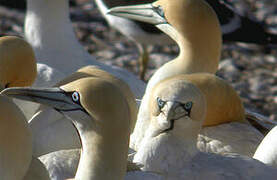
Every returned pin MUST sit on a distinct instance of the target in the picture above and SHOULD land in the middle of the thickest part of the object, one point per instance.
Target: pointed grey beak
(146, 13)
(53, 97)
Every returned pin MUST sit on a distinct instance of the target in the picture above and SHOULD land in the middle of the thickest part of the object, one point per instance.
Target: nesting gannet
(267, 150)
(55, 45)
(51, 130)
(195, 28)
(102, 116)
(178, 109)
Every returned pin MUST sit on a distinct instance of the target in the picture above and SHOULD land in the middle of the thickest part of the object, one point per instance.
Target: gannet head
(178, 18)
(17, 62)
(87, 97)
(177, 108)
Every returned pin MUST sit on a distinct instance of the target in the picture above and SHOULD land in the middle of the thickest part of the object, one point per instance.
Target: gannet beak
(146, 13)
(53, 97)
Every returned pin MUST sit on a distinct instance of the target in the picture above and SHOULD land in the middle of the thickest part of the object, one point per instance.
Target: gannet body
(178, 109)
(53, 132)
(198, 36)
(104, 136)
(56, 46)
(16, 160)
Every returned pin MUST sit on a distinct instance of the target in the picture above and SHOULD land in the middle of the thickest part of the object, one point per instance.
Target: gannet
(266, 151)
(57, 48)
(178, 109)
(102, 116)
(52, 132)
(195, 28)
(234, 25)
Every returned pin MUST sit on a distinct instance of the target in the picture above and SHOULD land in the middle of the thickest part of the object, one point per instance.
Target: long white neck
(49, 30)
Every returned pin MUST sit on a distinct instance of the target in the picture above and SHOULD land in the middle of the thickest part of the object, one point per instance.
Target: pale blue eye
(188, 105)
(161, 103)
(75, 96)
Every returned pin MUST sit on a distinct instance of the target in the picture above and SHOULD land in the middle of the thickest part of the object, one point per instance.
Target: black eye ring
(160, 102)
(75, 96)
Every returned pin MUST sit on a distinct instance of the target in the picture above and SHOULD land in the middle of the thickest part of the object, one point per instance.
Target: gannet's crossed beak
(53, 97)
(146, 13)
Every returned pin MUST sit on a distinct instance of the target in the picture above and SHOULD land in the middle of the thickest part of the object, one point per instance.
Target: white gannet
(57, 49)
(55, 44)
(103, 118)
(53, 132)
(267, 150)
(195, 28)
(178, 109)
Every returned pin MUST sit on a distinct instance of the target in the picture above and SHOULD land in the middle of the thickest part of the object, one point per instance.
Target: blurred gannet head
(17, 62)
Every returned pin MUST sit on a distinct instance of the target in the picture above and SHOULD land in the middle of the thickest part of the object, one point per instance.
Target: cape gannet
(102, 116)
(178, 109)
(195, 28)
(53, 132)
(234, 25)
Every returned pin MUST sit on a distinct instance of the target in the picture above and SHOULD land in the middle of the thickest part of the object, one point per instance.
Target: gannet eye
(160, 102)
(188, 106)
(159, 10)
(75, 96)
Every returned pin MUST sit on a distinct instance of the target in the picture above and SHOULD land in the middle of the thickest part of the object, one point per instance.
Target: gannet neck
(196, 30)
(16, 141)
(104, 134)
(55, 13)
(49, 30)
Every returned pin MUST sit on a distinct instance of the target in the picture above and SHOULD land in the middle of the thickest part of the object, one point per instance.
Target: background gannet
(197, 34)
(57, 48)
(169, 146)
(104, 135)
(234, 25)
(51, 130)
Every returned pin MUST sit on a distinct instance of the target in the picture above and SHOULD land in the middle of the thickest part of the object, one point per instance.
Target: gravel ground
(251, 72)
